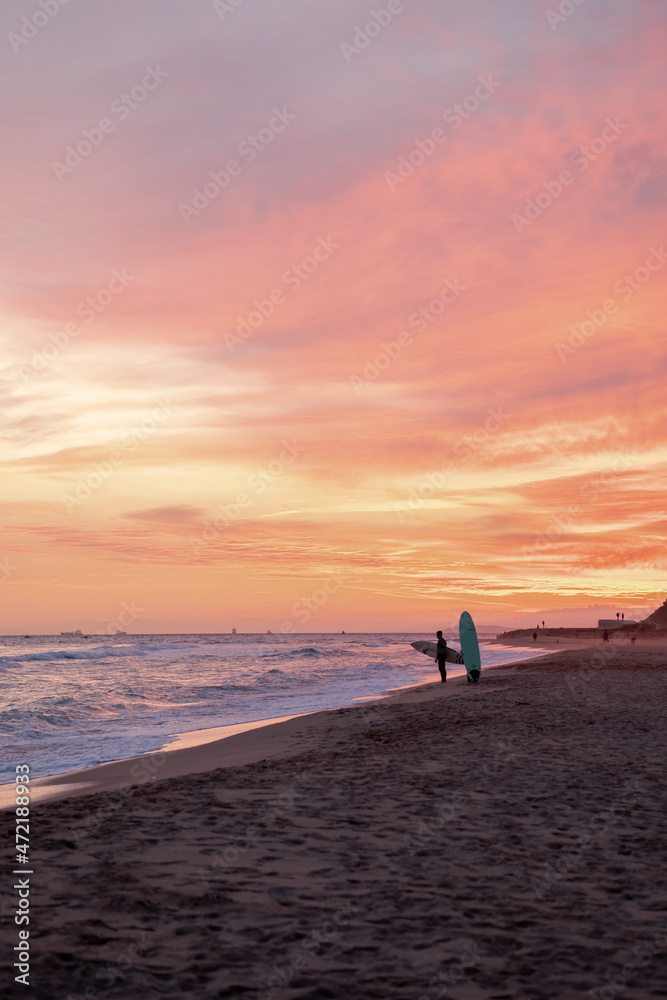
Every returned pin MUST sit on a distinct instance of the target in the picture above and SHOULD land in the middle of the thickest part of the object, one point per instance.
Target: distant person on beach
(605, 636)
(623, 617)
(633, 640)
(535, 636)
(542, 624)
(442, 657)
(617, 615)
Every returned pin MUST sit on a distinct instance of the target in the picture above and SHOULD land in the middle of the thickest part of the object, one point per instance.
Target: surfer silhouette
(442, 657)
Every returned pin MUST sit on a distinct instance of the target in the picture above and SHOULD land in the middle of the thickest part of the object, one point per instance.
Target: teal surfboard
(470, 648)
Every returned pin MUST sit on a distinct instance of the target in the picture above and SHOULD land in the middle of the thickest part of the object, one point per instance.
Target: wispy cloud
(323, 177)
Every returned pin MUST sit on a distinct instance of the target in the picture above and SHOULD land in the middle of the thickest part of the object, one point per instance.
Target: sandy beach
(495, 842)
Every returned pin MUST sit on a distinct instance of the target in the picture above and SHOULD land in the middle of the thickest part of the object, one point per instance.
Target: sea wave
(102, 653)
(51, 655)
(303, 652)
(198, 650)
(9, 663)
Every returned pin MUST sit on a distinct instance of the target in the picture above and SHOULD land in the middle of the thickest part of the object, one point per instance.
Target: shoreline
(265, 739)
(123, 772)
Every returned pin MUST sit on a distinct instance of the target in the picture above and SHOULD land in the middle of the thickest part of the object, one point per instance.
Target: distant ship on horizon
(78, 634)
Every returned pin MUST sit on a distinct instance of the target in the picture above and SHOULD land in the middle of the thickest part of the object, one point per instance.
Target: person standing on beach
(534, 636)
(442, 657)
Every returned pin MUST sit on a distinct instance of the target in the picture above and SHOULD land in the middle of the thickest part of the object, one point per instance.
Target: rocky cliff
(659, 616)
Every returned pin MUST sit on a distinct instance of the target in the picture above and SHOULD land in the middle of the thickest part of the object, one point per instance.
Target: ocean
(68, 703)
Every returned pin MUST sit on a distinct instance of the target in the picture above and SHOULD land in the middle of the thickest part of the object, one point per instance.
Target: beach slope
(502, 841)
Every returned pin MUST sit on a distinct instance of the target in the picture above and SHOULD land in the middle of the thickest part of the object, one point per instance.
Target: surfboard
(431, 649)
(470, 648)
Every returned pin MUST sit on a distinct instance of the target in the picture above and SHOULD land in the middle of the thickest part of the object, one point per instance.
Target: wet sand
(501, 840)
(553, 639)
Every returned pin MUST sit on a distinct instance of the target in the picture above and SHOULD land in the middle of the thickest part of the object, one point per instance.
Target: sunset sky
(406, 355)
